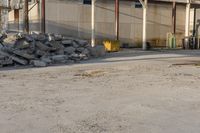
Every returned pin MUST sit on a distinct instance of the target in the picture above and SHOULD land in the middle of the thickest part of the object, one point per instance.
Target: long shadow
(125, 56)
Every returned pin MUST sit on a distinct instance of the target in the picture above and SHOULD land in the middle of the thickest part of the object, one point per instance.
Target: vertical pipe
(187, 20)
(26, 17)
(194, 23)
(0, 19)
(117, 19)
(93, 23)
(174, 17)
(144, 46)
(43, 17)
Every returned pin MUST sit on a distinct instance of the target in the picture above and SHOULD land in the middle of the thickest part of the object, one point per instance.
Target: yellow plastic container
(112, 45)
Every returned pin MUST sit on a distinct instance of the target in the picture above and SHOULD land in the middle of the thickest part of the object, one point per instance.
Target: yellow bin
(112, 45)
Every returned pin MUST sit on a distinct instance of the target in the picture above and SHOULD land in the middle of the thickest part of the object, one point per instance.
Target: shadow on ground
(126, 55)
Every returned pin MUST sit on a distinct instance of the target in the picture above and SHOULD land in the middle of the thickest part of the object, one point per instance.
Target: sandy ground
(127, 92)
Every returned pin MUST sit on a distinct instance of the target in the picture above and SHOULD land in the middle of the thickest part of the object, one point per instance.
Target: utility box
(171, 41)
(112, 45)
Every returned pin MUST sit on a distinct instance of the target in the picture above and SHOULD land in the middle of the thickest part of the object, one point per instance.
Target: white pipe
(144, 42)
(187, 20)
(93, 23)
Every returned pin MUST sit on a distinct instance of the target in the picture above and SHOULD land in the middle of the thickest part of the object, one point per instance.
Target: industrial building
(73, 18)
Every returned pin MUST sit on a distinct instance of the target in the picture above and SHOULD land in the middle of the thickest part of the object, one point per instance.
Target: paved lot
(128, 92)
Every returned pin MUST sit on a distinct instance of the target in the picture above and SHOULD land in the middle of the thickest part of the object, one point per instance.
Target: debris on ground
(41, 50)
(91, 73)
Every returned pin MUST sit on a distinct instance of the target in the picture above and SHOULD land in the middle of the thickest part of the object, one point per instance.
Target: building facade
(73, 18)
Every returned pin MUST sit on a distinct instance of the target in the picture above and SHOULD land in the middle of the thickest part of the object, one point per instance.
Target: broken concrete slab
(69, 50)
(55, 45)
(21, 44)
(59, 58)
(6, 61)
(16, 59)
(42, 46)
(46, 60)
(48, 48)
(21, 53)
(80, 49)
(38, 63)
(67, 43)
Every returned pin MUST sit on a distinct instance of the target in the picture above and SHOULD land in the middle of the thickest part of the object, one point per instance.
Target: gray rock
(75, 45)
(29, 38)
(55, 45)
(58, 37)
(69, 50)
(41, 37)
(86, 52)
(40, 53)
(83, 56)
(22, 53)
(67, 42)
(67, 38)
(59, 58)
(38, 63)
(81, 42)
(46, 60)
(14, 58)
(51, 37)
(6, 61)
(42, 46)
(60, 52)
(80, 49)
(22, 44)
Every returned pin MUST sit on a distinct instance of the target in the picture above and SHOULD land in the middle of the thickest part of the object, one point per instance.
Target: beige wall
(72, 18)
(34, 16)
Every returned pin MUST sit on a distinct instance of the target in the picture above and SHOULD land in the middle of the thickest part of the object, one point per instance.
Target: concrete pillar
(144, 40)
(93, 23)
(187, 20)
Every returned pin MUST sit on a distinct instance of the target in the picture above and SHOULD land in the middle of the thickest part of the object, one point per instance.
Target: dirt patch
(90, 73)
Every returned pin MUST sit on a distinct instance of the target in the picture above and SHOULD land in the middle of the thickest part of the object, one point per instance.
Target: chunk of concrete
(42, 46)
(80, 49)
(81, 43)
(58, 37)
(69, 50)
(22, 53)
(56, 45)
(67, 43)
(16, 59)
(86, 52)
(59, 58)
(22, 44)
(38, 63)
(46, 60)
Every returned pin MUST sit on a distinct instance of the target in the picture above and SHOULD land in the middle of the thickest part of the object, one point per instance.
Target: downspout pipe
(194, 23)
(174, 17)
(43, 16)
(26, 17)
(117, 19)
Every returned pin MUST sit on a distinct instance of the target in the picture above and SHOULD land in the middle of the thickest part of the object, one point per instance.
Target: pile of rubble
(41, 50)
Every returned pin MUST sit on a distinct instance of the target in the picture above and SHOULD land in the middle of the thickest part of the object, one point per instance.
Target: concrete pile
(41, 50)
